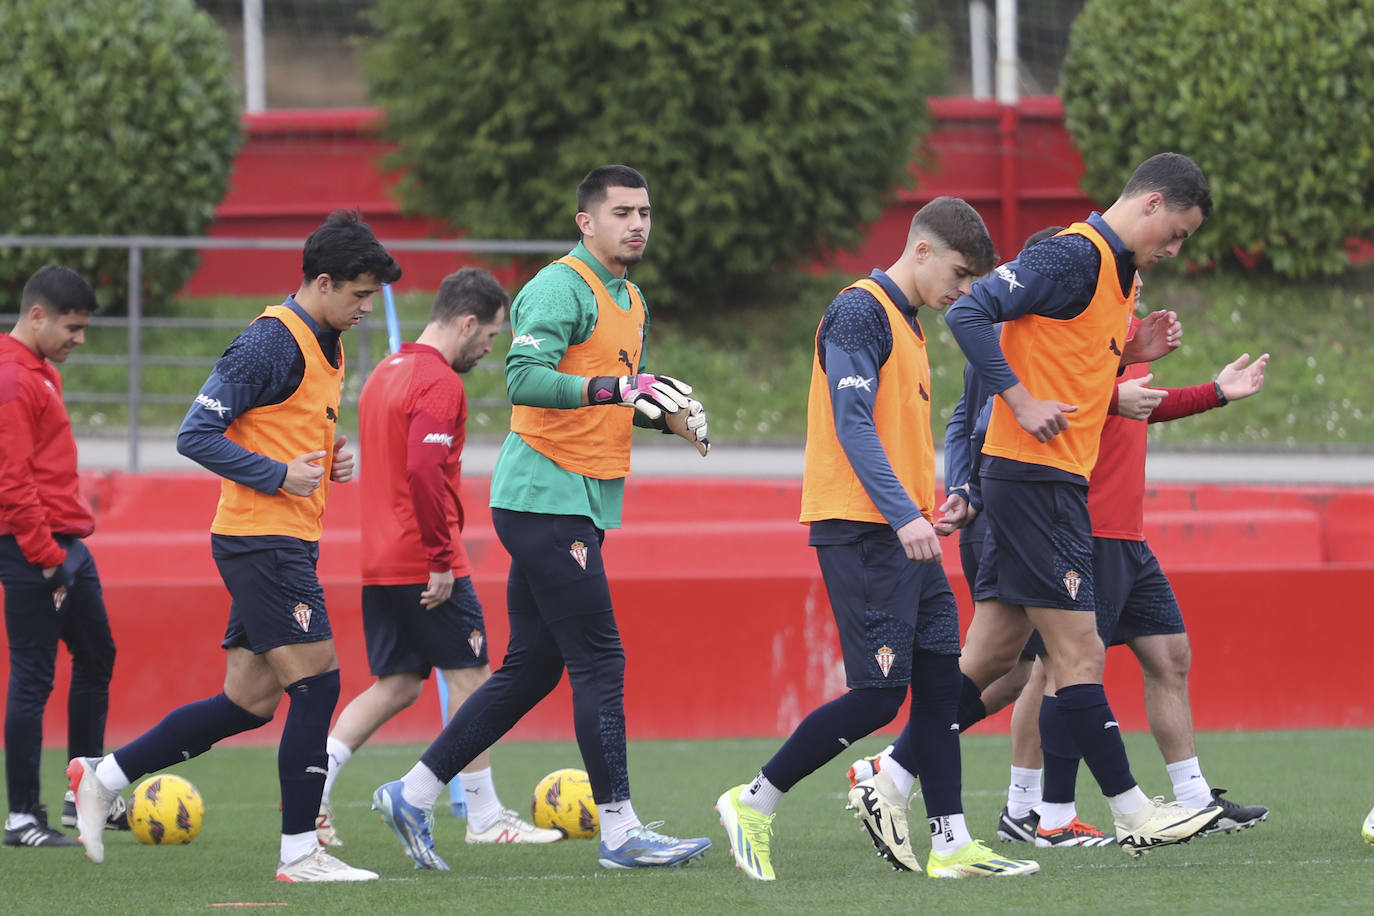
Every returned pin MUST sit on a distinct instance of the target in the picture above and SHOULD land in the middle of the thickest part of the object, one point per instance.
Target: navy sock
(971, 708)
(185, 732)
(934, 742)
(828, 730)
(1061, 754)
(1084, 710)
(302, 762)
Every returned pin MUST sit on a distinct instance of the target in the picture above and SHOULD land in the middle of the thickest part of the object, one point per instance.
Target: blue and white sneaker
(646, 848)
(413, 826)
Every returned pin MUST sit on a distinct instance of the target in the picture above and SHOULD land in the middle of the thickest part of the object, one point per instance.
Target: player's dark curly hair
(345, 248)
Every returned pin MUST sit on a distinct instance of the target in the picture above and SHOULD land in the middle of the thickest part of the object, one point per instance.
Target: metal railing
(136, 322)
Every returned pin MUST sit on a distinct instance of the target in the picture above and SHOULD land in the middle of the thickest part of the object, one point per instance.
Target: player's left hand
(438, 590)
(1159, 334)
(1239, 380)
(341, 470)
(690, 424)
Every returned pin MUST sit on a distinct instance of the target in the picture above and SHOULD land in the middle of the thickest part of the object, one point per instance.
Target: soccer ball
(166, 810)
(563, 801)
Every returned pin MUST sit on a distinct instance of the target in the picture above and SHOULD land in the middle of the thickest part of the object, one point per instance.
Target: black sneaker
(37, 835)
(1233, 816)
(118, 818)
(1017, 830)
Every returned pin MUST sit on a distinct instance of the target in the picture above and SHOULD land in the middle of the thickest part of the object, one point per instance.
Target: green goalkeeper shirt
(554, 311)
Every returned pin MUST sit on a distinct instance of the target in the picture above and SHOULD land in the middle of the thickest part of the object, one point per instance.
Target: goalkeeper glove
(690, 424)
(651, 395)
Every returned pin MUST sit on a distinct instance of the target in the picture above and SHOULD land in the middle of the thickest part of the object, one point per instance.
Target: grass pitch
(1307, 857)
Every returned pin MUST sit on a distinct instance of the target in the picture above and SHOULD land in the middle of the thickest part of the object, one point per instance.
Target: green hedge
(1274, 100)
(768, 131)
(120, 118)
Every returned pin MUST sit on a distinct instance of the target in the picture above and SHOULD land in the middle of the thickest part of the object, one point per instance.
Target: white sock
(901, 777)
(18, 819)
(479, 794)
(420, 787)
(948, 833)
(338, 755)
(1024, 793)
(1128, 802)
(617, 820)
(761, 795)
(295, 845)
(110, 775)
(1054, 815)
(1190, 786)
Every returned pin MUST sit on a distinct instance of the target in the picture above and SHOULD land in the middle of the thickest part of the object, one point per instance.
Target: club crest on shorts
(475, 640)
(579, 553)
(302, 614)
(885, 657)
(1071, 582)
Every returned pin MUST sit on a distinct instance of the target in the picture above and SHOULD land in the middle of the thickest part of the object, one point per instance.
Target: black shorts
(277, 598)
(1039, 548)
(1134, 597)
(886, 608)
(404, 637)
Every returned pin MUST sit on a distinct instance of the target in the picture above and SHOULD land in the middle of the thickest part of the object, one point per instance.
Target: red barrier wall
(1017, 166)
(715, 587)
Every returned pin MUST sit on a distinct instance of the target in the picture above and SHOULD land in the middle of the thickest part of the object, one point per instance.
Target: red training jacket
(1116, 492)
(40, 494)
(412, 418)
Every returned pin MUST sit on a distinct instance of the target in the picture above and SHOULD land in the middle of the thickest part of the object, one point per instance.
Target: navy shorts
(887, 608)
(1039, 547)
(971, 538)
(1134, 598)
(971, 548)
(277, 598)
(405, 637)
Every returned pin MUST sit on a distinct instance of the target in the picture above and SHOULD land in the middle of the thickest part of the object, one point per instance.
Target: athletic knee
(1164, 660)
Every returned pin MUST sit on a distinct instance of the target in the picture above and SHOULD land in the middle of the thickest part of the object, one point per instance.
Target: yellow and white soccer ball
(166, 810)
(563, 801)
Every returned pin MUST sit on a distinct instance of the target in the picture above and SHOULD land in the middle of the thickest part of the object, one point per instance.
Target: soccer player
(419, 607)
(867, 495)
(1136, 607)
(1066, 304)
(575, 365)
(265, 421)
(52, 588)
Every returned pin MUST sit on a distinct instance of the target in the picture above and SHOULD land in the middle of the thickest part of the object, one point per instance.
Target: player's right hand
(438, 590)
(1135, 401)
(919, 540)
(1043, 419)
(303, 475)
